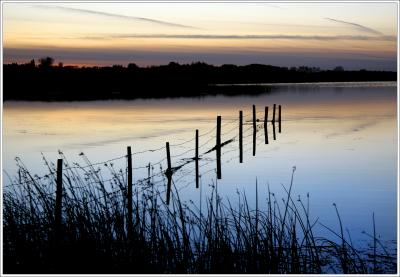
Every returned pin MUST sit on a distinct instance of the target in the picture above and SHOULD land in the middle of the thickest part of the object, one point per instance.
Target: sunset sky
(354, 35)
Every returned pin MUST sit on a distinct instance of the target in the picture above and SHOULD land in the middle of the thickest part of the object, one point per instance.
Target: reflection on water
(341, 138)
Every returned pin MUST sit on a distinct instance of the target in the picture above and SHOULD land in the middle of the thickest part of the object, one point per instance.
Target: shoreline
(212, 90)
(62, 83)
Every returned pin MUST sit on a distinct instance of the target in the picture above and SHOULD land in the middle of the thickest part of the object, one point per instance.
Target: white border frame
(206, 2)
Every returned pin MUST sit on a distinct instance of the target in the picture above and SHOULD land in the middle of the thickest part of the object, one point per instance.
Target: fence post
(273, 113)
(58, 208)
(129, 195)
(254, 130)
(197, 158)
(218, 147)
(273, 129)
(241, 136)
(280, 118)
(266, 125)
(168, 173)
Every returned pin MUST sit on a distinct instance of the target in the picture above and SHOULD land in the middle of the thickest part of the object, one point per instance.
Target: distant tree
(46, 62)
(173, 64)
(338, 68)
(32, 63)
(199, 63)
(132, 66)
(229, 66)
(304, 69)
(60, 64)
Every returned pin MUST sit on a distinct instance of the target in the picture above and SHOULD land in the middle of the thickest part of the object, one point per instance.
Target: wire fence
(79, 176)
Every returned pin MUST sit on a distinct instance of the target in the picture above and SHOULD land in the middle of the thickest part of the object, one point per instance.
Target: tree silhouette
(32, 63)
(46, 62)
(49, 82)
(338, 69)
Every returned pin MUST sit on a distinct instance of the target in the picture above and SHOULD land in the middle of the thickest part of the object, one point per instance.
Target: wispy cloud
(356, 26)
(273, 6)
(117, 16)
(242, 37)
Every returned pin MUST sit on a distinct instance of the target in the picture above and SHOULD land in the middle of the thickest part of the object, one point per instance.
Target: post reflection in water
(342, 139)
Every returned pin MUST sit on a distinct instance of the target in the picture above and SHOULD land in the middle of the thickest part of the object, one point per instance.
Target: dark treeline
(47, 81)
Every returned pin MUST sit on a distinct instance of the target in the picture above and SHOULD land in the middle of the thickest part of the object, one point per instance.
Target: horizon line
(57, 65)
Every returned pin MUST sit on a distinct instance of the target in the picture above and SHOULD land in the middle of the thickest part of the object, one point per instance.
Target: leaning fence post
(280, 118)
(254, 130)
(273, 113)
(266, 125)
(129, 202)
(273, 130)
(218, 147)
(168, 173)
(241, 136)
(57, 215)
(197, 158)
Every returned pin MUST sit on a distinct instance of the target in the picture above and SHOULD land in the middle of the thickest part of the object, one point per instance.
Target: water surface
(342, 138)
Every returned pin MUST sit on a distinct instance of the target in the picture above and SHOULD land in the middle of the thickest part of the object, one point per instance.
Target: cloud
(356, 26)
(117, 16)
(243, 37)
(271, 5)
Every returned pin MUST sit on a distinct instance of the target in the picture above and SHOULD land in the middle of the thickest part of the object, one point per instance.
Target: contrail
(244, 37)
(118, 16)
(357, 26)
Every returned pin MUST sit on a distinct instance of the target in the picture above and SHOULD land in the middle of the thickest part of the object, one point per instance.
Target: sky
(325, 35)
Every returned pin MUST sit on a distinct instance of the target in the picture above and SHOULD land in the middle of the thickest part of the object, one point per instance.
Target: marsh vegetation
(220, 237)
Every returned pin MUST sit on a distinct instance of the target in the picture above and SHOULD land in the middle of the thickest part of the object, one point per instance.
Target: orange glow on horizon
(356, 31)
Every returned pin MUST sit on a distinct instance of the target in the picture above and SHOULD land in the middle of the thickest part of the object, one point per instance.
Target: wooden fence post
(254, 130)
(168, 173)
(273, 129)
(266, 125)
(197, 158)
(129, 194)
(58, 207)
(280, 118)
(241, 136)
(273, 113)
(218, 147)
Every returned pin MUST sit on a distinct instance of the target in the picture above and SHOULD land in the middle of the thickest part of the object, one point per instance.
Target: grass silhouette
(219, 237)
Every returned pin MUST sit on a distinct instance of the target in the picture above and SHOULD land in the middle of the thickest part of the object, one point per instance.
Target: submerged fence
(126, 223)
(202, 152)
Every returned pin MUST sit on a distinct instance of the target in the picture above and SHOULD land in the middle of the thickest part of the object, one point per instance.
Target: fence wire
(82, 177)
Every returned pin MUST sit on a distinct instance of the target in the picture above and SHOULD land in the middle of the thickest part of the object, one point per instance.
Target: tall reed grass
(219, 237)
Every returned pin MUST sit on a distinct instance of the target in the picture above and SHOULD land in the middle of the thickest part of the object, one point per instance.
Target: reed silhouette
(178, 238)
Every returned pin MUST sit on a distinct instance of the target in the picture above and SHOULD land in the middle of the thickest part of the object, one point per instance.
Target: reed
(219, 237)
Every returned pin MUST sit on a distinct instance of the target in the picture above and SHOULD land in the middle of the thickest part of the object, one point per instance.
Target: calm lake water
(342, 138)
